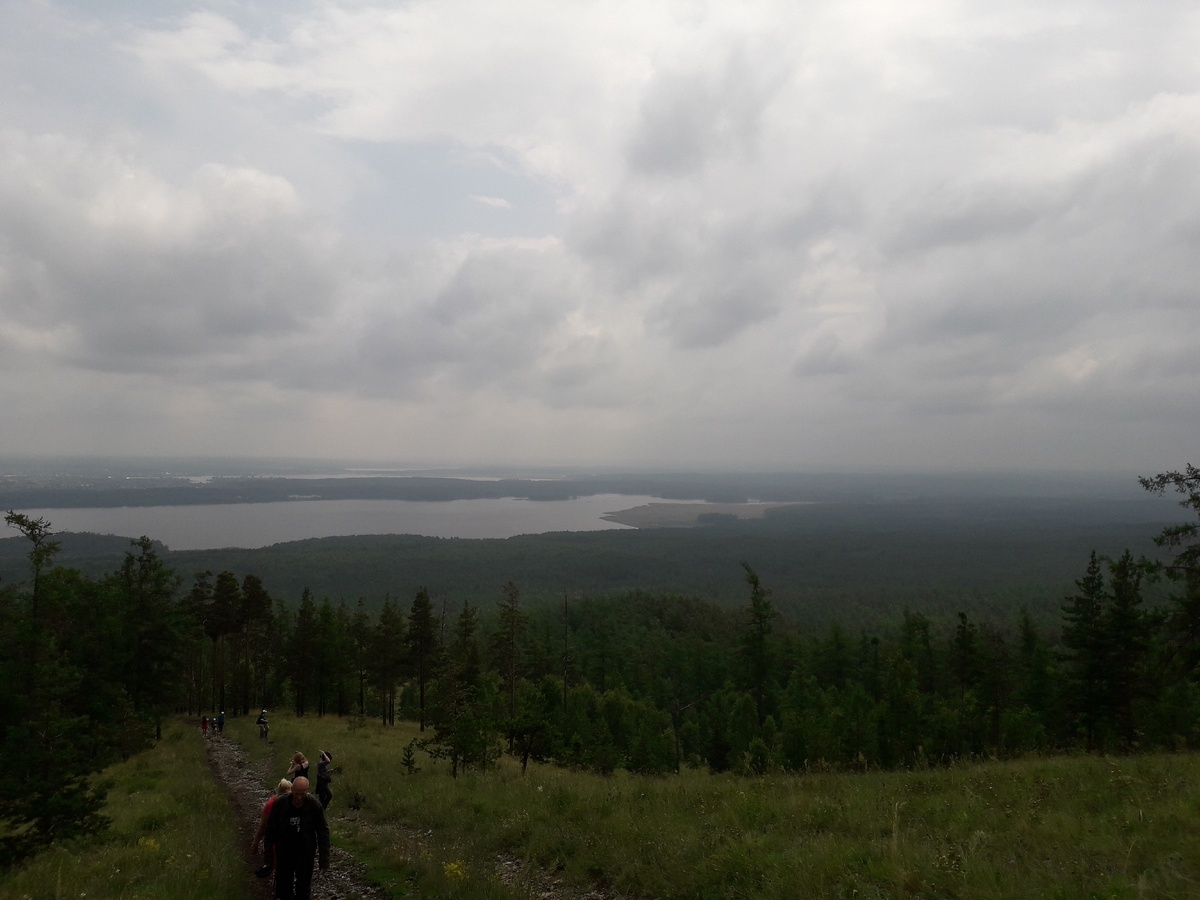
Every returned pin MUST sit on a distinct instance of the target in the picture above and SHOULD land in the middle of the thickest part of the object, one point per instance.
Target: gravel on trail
(245, 782)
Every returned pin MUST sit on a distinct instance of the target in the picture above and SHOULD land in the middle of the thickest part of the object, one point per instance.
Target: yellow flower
(455, 870)
(149, 844)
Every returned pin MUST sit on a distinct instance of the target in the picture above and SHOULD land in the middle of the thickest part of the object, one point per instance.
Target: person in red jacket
(282, 789)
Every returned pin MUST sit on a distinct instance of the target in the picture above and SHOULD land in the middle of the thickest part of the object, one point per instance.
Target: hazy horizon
(189, 464)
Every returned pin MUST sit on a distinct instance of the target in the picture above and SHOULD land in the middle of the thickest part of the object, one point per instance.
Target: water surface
(251, 525)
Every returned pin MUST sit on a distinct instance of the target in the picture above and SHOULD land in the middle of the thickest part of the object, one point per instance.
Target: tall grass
(1068, 827)
(1064, 827)
(172, 835)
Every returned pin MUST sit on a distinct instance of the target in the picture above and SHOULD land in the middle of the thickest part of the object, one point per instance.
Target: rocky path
(244, 780)
(345, 879)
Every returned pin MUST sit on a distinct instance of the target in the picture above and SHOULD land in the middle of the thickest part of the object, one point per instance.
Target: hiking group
(292, 829)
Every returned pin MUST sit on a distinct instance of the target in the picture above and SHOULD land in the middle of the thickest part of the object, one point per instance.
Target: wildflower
(149, 844)
(455, 870)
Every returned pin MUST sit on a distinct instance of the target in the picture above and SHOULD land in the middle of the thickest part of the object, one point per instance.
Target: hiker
(281, 790)
(204, 726)
(299, 766)
(298, 836)
(221, 723)
(263, 726)
(324, 777)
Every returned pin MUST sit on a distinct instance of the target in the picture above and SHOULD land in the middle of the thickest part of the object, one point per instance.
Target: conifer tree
(1126, 630)
(48, 791)
(302, 653)
(1180, 538)
(1086, 657)
(422, 648)
(327, 658)
(360, 653)
(463, 731)
(221, 620)
(258, 630)
(755, 646)
(386, 658)
(150, 639)
(506, 648)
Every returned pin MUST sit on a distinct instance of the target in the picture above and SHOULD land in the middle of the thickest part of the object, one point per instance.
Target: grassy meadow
(172, 835)
(1065, 827)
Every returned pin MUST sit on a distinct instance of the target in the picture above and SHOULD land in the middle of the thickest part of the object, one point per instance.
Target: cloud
(697, 109)
(677, 221)
(129, 272)
(497, 202)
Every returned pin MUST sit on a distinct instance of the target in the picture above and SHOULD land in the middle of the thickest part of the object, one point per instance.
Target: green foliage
(855, 562)
(423, 657)
(464, 713)
(408, 760)
(1082, 826)
(90, 667)
(171, 835)
(640, 682)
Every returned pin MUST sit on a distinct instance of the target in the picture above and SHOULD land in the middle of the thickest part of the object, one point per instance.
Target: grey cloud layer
(912, 214)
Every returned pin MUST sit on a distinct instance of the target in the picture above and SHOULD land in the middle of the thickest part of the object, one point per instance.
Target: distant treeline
(646, 680)
(166, 491)
(852, 563)
(1005, 491)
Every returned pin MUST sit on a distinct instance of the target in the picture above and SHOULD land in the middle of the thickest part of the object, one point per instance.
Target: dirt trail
(244, 780)
(346, 878)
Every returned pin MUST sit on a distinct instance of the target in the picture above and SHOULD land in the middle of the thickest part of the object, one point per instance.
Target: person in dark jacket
(324, 778)
(298, 836)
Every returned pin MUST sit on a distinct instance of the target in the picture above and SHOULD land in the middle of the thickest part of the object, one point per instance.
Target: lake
(252, 525)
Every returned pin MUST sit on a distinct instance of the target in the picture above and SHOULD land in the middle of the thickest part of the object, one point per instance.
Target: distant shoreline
(683, 515)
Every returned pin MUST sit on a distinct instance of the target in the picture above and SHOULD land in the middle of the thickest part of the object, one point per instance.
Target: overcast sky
(794, 235)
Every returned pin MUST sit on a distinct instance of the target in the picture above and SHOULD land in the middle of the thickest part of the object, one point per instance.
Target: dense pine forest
(650, 681)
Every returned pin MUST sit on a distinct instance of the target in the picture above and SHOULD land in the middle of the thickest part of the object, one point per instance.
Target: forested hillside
(649, 680)
(856, 563)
